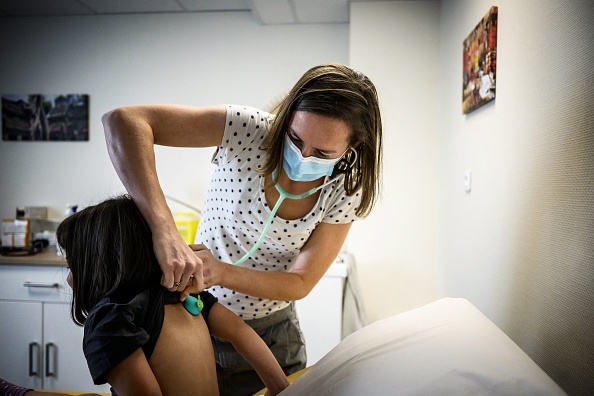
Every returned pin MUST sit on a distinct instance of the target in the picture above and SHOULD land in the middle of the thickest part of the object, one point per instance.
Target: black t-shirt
(119, 325)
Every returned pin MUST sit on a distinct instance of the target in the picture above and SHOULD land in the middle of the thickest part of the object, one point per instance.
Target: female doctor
(284, 193)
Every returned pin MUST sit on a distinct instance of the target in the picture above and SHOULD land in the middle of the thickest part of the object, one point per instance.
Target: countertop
(47, 256)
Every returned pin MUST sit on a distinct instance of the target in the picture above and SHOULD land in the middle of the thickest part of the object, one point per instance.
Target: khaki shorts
(281, 332)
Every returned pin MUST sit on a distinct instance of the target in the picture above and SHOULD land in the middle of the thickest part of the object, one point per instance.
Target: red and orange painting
(480, 64)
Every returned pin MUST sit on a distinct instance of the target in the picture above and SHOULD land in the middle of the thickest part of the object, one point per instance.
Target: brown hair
(339, 92)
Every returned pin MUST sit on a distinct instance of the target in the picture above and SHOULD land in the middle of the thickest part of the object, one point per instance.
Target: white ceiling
(266, 11)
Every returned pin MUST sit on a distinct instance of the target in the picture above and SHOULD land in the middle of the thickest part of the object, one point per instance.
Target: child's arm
(224, 324)
(133, 376)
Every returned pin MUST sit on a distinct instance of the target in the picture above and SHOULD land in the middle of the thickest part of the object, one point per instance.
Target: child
(138, 337)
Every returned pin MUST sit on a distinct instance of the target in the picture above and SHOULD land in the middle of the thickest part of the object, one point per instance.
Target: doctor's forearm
(130, 146)
(286, 286)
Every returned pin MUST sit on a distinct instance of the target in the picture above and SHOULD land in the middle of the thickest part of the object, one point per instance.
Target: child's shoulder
(118, 305)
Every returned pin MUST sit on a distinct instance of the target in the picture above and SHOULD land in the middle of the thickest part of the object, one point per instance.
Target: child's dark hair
(109, 250)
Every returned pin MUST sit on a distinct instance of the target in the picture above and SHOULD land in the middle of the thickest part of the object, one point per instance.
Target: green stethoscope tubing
(281, 198)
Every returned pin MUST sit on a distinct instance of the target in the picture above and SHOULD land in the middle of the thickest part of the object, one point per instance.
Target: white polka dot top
(235, 211)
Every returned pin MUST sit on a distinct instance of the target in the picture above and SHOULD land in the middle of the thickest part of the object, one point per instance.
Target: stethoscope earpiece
(346, 162)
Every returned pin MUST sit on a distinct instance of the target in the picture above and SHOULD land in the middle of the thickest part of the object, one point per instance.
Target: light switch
(467, 180)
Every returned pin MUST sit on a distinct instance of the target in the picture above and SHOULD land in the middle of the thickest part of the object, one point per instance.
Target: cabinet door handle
(33, 368)
(50, 359)
(42, 285)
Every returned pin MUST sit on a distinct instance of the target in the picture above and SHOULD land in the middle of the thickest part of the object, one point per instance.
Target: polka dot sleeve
(340, 207)
(245, 129)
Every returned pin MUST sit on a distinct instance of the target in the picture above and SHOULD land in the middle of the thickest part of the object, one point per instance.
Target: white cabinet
(20, 344)
(40, 345)
(320, 313)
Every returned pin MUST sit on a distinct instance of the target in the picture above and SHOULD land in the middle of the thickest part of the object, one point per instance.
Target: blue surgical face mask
(299, 168)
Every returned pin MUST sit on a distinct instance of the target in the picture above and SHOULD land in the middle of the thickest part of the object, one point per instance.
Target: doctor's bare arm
(131, 133)
(318, 253)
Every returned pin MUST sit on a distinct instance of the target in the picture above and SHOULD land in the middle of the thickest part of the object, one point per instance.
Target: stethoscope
(283, 195)
(193, 304)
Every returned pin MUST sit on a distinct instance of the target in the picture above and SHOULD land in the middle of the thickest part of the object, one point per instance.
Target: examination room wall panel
(397, 44)
(520, 244)
(191, 59)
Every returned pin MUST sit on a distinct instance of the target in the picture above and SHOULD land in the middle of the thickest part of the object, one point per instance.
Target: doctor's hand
(212, 268)
(178, 262)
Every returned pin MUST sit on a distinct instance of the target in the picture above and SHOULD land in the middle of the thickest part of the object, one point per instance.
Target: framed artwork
(480, 63)
(45, 117)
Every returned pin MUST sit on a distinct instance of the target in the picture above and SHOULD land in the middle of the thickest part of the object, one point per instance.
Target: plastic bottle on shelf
(70, 210)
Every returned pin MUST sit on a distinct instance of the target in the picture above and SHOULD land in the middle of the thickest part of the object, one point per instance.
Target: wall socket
(467, 180)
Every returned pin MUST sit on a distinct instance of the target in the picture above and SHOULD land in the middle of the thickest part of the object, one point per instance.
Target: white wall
(397, 44)
(529, 151)
(193, 59)
(520, 245)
